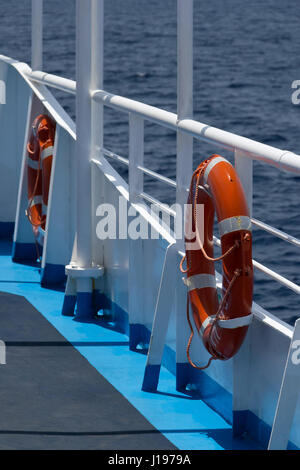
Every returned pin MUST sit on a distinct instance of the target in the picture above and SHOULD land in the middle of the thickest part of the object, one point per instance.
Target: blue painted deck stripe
(189, 424)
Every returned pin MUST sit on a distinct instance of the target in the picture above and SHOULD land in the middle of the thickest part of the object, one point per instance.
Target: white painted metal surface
(164, 305)
(23, 231)
(241, 363)
(136, 275)
(244, 168)
(184, 158)
(184, 162)
(136, 157)
(60, 223)
(97, 50)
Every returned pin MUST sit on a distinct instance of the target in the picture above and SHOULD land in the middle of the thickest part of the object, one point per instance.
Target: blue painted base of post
(239, 422)
(99, 299)
(182, 376)
(53, 274)
(151, 377)
(139, 336)
(70, 298)
(24, 252)
(82, 292)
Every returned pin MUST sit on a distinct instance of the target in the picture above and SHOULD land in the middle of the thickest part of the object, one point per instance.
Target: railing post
(37, 34)
(241, 362)
(136, 254)
(136, 157)
(97, 74)
(82, 269)
(83, 131)
(184, 99)
(184, 165)
(244, 168)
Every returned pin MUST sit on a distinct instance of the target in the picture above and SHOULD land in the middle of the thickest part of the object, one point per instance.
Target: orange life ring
(39, 164)
(223, 326)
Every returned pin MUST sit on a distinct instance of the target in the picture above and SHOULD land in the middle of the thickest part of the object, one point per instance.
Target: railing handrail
(281, 159)
(64, 84)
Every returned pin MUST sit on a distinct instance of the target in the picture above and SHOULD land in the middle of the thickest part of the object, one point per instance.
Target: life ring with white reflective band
(39, 164)
(223, 325)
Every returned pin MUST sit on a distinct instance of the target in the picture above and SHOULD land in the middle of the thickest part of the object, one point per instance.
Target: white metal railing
(91, 98)
(246, 150)
(268, 228)
(47, 79)
(282, 159)
(278, 233)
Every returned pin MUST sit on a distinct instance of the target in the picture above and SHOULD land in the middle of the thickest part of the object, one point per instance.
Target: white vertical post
(97, 112)
(161, 319)
(241, 385)
(37, 34)
(244, 168)
(88, 74)
(184, 99)
(136, 157)
(288, 396)
(184, 166)
(242, 361)
(83, 126)
(136, 252)
(97, 74)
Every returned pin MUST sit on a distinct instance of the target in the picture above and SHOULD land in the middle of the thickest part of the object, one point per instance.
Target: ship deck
(72, 385)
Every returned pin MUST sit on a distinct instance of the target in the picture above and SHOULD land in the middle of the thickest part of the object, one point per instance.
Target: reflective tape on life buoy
(222, 325)
(39, 164)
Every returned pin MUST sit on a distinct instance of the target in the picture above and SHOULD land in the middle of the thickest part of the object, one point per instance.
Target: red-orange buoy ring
(223, 327)
(39, 163)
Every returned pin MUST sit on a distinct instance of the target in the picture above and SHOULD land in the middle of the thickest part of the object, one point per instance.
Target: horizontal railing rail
(269, 272)
(284, 160)
(146, 171)
(276, 232)
(53, 81)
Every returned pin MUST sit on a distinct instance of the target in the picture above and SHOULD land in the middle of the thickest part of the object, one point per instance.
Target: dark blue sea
(246, 58)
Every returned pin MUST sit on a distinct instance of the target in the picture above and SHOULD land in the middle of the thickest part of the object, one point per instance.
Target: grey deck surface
(52, 398)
